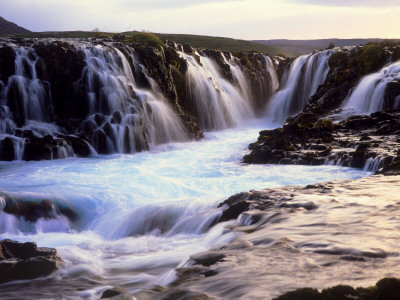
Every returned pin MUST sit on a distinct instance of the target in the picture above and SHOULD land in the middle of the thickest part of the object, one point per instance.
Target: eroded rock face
(369, 142)
(347, 66)
(20, 261)
(386, 288)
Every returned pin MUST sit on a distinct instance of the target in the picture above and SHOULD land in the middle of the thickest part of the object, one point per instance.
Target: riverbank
(338, 232)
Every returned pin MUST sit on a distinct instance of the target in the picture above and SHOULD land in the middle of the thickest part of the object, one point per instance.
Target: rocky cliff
(62, 98)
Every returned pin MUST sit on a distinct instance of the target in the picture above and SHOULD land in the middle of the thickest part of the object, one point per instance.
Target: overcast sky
(245, 19)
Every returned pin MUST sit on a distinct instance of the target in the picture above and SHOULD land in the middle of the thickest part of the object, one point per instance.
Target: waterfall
(122, 118)
(272, 74)
(113, 105)
(369, 95)
(306, 73)
(24, 100)
(125, 118)
(219, 103)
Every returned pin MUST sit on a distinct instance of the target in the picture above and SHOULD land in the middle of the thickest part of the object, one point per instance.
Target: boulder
(7, 151)
(20, 261)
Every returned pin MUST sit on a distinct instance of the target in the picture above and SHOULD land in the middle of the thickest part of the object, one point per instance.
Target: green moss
(245, 61)
(371, 59)
(146, 38)
(326, 124)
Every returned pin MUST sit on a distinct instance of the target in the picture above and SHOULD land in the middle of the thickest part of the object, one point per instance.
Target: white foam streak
(219, 103)
(368, 96)
(306, 73)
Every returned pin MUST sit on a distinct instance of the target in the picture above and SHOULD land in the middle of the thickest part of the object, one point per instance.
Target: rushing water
(304, 76)
(369, 95)
(139, 215)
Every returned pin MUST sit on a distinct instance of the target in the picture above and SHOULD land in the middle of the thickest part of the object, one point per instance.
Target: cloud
(350, 3)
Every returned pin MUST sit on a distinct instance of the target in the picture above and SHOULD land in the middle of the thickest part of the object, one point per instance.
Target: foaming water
(369, 95)
(131, 219)
(219, 103)
(306, 73)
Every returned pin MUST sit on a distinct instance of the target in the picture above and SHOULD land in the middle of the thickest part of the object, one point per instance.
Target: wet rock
(208, 258)
(347, 66)
(301, 294)
(353, 142)
(388, 289)
(30, 210)
(48, 147)
(7, 151)
(216, 56)
(33, 210)
(233, 211)
(7, 67)
(25, 261)
(80, 146)
(116, 293)
(385, 289)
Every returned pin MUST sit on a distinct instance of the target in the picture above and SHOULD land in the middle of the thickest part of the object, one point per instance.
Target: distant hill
(196, 41)
(223, 43)
(307, 46)
(10, 28)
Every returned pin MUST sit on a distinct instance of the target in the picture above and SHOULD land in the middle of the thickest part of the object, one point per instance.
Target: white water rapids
(140, 215)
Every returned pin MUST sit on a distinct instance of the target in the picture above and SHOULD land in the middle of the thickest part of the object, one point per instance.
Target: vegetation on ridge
(223, 43)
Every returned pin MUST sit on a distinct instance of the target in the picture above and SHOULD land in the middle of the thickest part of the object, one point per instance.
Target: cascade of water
(132, 118)
(25, 88)
(306, 73)
(368, 96)
(118, 114)
(23, 99)
(219, 103)
(272, 73)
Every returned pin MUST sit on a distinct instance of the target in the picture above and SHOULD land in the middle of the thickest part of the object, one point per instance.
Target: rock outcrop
(385, 289)
(69, 97)
(359, 141)
(20, 261)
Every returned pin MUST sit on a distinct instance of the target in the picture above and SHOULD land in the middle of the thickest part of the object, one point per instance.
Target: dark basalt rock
(301, 294)
(255, 67)
(62, 66)
(177, 294)
(25, 261)
(224, 68)
(7, 151)
(347, 66)
(351, 142)
(208, 258)
(33, 210)
(116, 293)
(47, 147)
(7, 67)
(385, 289)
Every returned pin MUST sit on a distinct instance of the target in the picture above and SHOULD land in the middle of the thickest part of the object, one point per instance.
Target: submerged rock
(26, 261)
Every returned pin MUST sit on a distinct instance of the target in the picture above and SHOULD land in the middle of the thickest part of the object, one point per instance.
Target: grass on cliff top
(223, 43)
(146, 38)
(64, 34)
(196, 41)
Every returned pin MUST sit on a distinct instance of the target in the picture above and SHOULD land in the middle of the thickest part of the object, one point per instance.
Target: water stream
(139, 216)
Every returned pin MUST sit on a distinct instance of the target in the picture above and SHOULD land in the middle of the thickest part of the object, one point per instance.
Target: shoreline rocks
(250, 265)
(369, 142)
(384, 289)
(19, 261)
